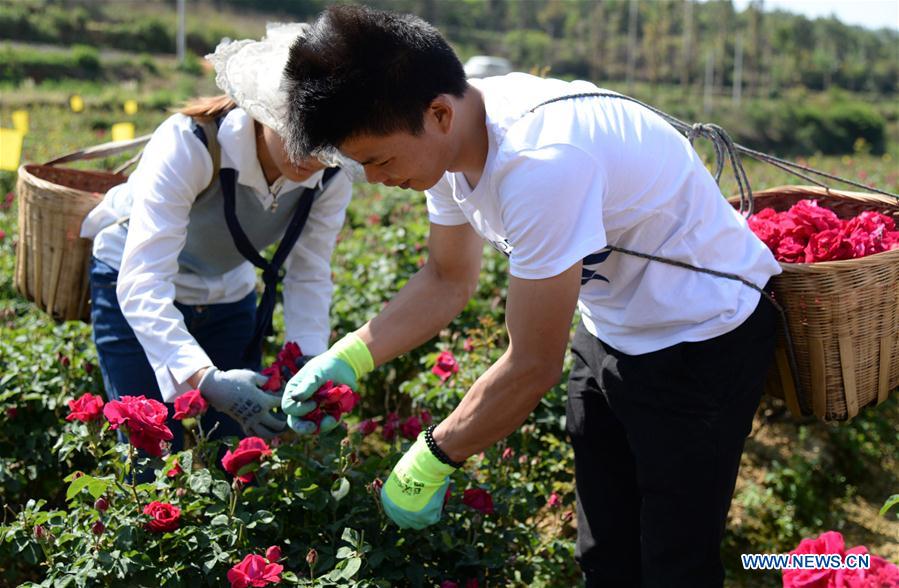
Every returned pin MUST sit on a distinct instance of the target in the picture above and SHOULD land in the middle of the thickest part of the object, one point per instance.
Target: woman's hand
(194, 380)
(237, 393)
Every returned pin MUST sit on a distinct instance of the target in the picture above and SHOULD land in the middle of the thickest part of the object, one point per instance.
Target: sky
(872, 14)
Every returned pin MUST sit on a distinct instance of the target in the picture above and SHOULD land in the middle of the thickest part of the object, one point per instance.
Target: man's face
(402, 159)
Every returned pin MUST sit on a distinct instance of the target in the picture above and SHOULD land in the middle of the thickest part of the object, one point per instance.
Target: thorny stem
(131, 469)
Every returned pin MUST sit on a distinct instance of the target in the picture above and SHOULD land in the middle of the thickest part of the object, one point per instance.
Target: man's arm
(432, 298)
(538, 318)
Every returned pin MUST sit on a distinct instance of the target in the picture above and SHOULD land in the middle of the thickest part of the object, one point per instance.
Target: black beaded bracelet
(436, 451)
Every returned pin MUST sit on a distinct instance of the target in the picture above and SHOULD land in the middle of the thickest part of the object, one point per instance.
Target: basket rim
(26, 173)
(819, 192)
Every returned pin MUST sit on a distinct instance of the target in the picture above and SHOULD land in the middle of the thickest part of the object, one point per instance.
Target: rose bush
(74, 518)
(308, 495)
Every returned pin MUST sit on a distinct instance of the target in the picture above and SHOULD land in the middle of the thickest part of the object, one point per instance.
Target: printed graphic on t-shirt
(594, 259)
(502, 245)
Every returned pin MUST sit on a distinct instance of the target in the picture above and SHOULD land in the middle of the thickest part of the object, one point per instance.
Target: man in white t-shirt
(669, 362)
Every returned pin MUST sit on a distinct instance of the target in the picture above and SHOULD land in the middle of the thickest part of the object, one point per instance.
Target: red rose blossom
(810, 233)
(190, 404)
(367, 427)
(391, 425)
(143, 418)
(446, 366)
(85, 408)
(766, 226)
(254, 570)
(274, 378)
(478, 499)
(249, 450)
(273, 553)
(336, 399)
(175, 470)
(410, 428)
(880, 573)
(810, 218)
(790, 250)
(828, 245)
(164, 517)
(289, 355)
(333, 400)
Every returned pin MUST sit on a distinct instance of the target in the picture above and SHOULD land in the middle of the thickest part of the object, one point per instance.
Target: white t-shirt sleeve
(442, 209)
(174, 168)
(307, 282)
(551, 200)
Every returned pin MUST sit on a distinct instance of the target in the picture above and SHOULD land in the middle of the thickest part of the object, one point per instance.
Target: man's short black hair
(361, 71)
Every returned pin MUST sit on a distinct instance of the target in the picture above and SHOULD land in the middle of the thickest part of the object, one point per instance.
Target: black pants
(657, 442)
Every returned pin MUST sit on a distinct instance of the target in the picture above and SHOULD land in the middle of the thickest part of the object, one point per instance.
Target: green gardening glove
(413, 494)
(344, 363)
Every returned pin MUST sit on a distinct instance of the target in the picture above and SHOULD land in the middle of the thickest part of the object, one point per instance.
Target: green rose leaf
(200, 481)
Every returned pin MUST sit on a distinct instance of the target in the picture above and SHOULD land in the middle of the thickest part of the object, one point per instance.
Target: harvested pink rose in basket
(810, 233)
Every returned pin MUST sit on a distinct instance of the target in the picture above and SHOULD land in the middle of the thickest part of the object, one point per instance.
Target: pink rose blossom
(446, 366)
(254, 570)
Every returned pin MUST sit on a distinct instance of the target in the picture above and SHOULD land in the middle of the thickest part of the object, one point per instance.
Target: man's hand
(344, 363)
(237, 394)
(413, 494)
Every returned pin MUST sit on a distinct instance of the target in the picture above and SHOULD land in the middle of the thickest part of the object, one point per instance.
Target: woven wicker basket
(51, 257)
(843, 317)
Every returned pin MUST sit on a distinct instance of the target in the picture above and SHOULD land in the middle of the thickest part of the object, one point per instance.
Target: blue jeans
(222, 330)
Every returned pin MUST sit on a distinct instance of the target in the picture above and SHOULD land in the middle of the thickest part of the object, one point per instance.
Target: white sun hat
(250, 72)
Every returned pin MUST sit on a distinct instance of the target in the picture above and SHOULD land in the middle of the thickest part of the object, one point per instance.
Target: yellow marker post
(123, 131)
(10, 149)
(130, 106)
(20, 121)
(76, 103)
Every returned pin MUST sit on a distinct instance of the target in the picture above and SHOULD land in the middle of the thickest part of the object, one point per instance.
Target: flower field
(303, 511)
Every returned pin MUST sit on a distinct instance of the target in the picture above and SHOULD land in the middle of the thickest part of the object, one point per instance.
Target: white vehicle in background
(484, 66)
